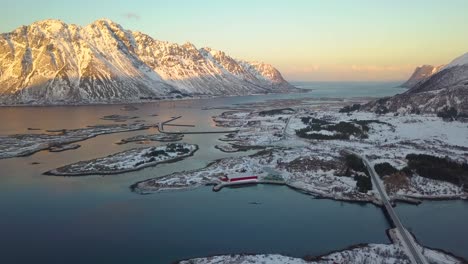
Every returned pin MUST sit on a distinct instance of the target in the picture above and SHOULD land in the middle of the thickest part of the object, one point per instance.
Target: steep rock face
(420, 74)
(446, 89)
(51, 62)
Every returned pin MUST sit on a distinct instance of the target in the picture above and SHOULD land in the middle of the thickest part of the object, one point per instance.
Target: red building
(246, 178)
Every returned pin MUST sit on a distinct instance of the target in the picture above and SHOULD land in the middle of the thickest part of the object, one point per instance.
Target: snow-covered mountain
(459, 61)
(445, 89)
(51, 62)
(421, 73)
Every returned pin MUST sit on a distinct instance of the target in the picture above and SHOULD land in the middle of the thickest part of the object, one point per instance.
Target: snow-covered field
(256, 129)
(129, 160)
(420, 187)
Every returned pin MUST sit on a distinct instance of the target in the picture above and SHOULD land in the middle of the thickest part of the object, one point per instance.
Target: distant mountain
(50, 62)
(421, 73)
(444, 91)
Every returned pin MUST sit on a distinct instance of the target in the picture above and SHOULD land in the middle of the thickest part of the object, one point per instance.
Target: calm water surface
(47, 219)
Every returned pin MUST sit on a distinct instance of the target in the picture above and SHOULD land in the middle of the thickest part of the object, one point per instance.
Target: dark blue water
(438, 224)
(169, 226)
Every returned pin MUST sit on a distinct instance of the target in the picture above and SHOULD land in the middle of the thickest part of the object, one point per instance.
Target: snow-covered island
(118, 118)
(60, 148)
(304, 148)
(326, 175)
(27, 144)
(140, 139)
(126, 161)
(393, 253)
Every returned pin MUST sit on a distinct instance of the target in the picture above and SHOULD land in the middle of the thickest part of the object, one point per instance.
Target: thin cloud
(131, 15)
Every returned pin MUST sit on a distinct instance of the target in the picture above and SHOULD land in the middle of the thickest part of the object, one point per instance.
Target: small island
(126, 161)
(334, 176)
(118, 118)
(140, 139)
(65, 147)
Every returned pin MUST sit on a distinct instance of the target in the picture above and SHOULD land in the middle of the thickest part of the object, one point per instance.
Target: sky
(307, 40)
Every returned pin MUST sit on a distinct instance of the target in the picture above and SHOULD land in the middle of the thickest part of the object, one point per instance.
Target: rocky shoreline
(361, 253)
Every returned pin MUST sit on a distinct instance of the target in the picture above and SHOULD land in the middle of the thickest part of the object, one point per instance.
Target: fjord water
(47, 219)
(351, 89)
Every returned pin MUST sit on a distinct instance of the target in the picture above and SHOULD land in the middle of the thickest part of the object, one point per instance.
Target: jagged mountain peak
(189, 45)
(49, 23)
(420, 74)
(51, 62)
(104, 20)
(44, 27)
(106, 23)
(442, 89)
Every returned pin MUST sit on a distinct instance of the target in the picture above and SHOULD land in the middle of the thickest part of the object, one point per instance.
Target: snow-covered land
(382, 138)
(129, 160)
(118, 118)
(140, 139)
(257, 129)
(420, 74)
(461, 60)
(432, 90)
(368, 253)
(27, 144)
(319, 174)
(61, 148)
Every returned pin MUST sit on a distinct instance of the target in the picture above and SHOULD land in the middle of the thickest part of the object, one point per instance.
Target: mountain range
(51, 62)
(432, 90)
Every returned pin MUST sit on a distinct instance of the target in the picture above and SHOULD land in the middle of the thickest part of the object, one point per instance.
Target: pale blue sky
(306, 40)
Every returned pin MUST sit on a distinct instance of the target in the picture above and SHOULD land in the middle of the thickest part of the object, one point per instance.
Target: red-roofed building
(244, 179)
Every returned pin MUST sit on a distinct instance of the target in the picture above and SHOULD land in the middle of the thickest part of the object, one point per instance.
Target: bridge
(413, 250)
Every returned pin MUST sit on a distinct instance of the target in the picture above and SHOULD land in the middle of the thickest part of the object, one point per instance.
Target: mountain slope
(444, 90)
(420, 74)
(50, 62)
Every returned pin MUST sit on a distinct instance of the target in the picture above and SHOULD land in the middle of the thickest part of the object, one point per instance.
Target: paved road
(286, 127)
(416, 255)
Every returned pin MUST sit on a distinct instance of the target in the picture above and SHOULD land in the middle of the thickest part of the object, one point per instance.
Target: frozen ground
(129, 160)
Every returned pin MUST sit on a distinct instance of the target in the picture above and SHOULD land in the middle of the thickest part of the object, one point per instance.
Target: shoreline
(136, 102)
(325, 256)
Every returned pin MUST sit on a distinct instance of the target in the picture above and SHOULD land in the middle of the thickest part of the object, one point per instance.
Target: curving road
(415, 254)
